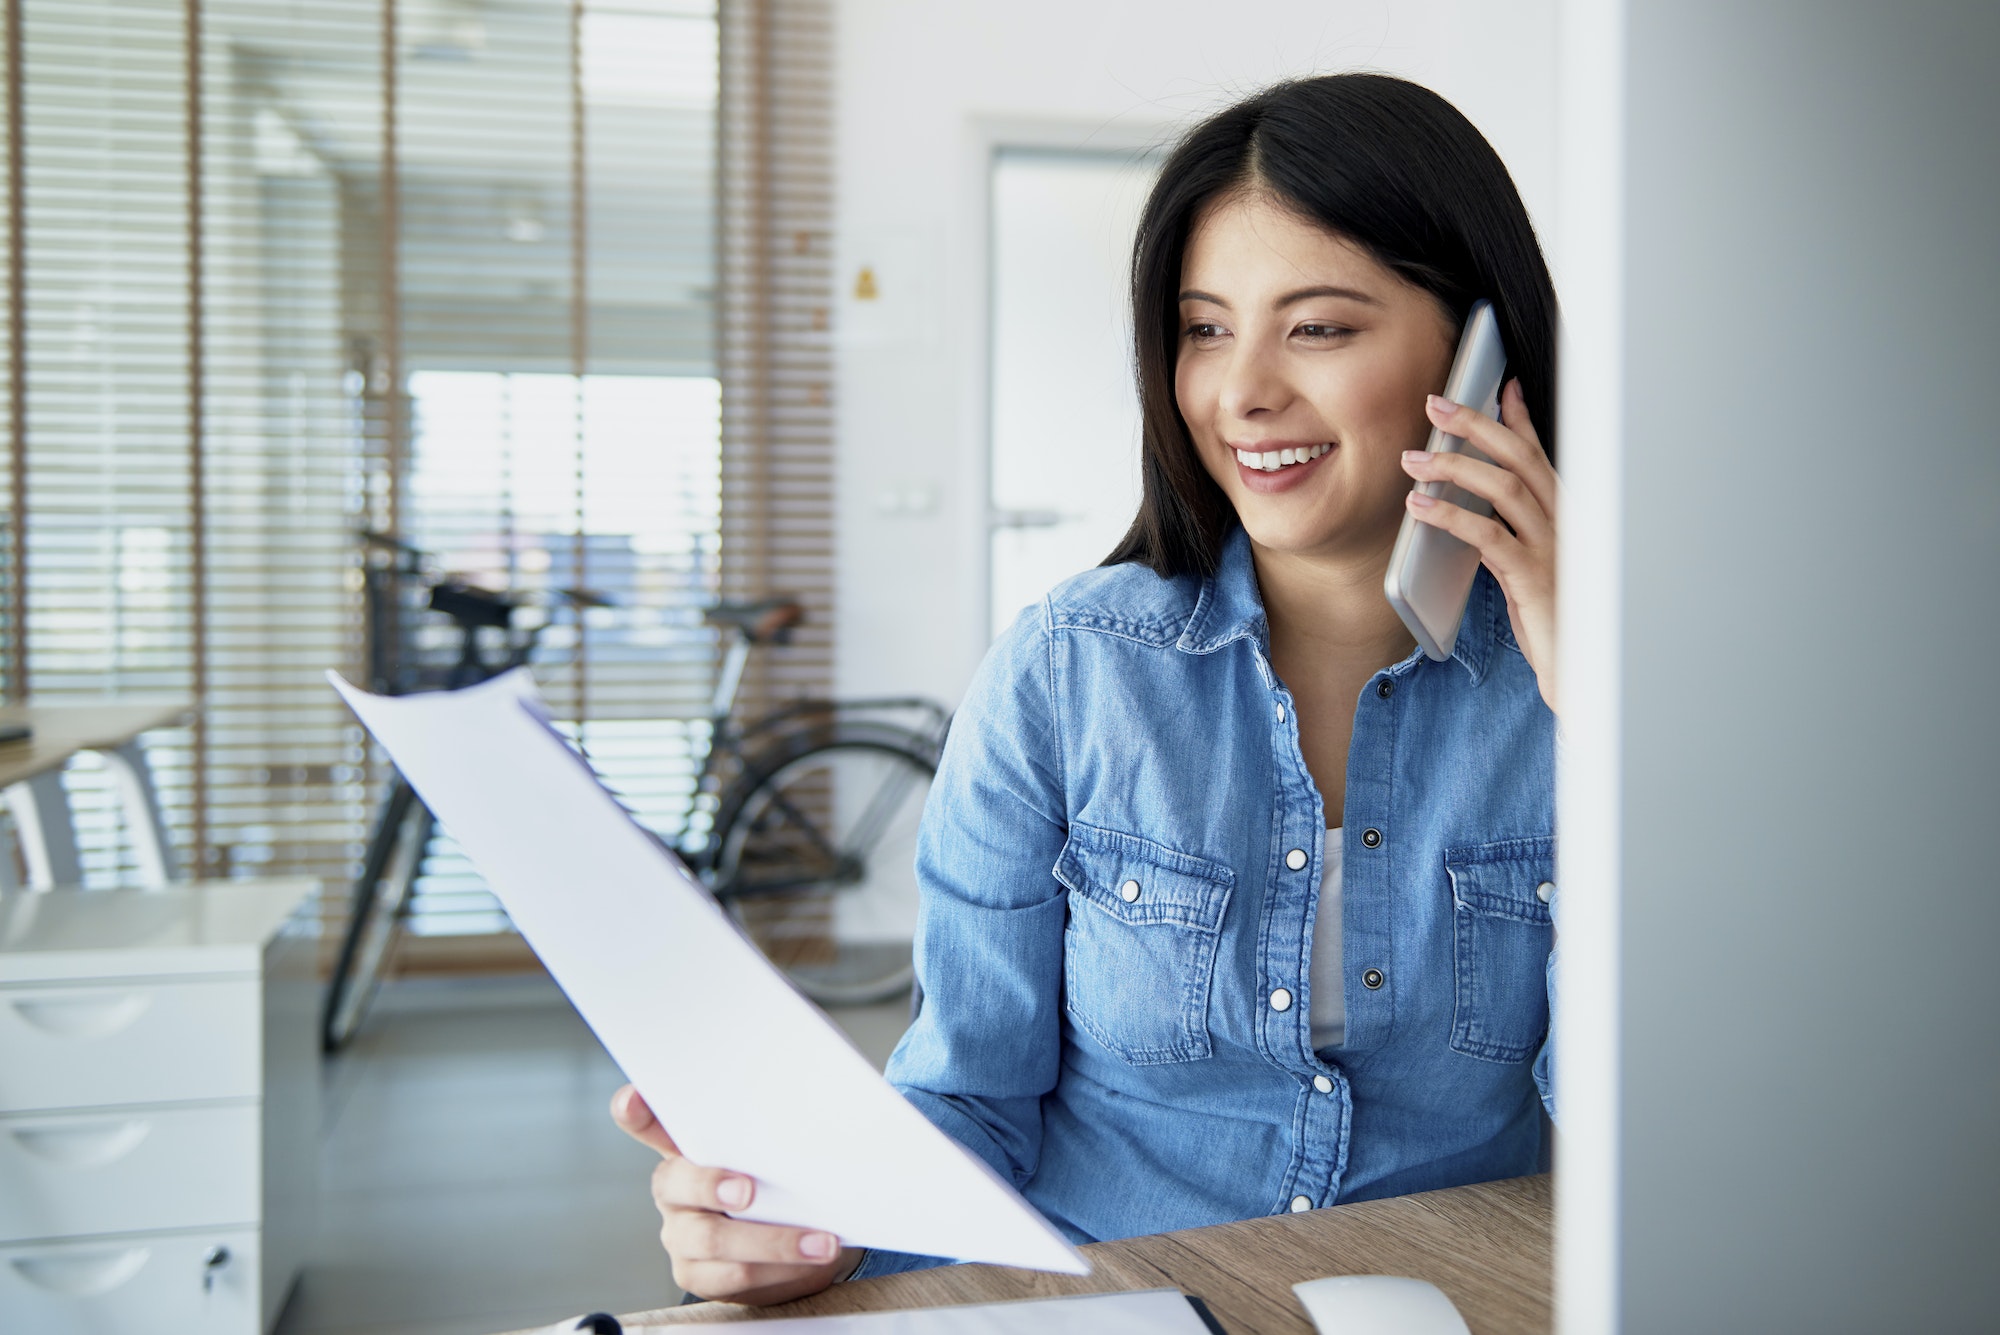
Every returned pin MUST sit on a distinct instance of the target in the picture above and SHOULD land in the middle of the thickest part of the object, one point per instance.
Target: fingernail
(818, 1246)
(1414, 456)
(1440, 405)
(733, 1192)
(1421, 501)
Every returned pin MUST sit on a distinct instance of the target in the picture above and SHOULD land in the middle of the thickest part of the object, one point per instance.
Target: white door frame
(986, 138)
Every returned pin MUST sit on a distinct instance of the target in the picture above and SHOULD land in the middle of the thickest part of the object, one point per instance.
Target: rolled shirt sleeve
(985, 1046)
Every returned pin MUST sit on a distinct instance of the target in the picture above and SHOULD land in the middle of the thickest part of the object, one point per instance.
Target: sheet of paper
(741, 1069)
(1149, 1312)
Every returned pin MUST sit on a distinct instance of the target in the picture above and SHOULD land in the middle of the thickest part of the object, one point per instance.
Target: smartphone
(1430, 571)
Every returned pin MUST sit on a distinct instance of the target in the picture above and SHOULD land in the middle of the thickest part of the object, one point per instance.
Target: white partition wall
(1781, 894)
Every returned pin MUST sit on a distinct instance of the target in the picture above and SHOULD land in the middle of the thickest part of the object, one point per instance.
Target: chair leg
(41, 813)
(151, 848)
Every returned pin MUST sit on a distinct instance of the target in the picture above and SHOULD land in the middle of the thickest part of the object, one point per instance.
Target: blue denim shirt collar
(1230, 608)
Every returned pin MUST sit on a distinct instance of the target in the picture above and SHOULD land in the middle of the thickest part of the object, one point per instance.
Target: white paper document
(1149, 1312)
(741, 1069)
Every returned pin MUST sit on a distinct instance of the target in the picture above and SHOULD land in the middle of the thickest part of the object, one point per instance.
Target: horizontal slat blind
(280, 445)
(775, 351)
(555, 173)
(774, 251)
(13, 547)
(110, 597)
(455, 271)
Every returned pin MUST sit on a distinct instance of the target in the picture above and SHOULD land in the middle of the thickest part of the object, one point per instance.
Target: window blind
(539, 284)
(774, 345)
(554, 167)
(104, 412)
(274, 784)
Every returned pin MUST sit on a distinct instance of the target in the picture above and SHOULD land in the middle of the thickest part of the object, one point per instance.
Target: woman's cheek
(1188, 398)
(1195, 413)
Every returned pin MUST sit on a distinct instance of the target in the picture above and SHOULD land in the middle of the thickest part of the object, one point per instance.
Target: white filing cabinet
(159, 1107)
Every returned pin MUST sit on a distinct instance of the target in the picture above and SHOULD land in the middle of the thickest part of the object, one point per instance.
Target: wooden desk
(1487, 1246)
(31, 776)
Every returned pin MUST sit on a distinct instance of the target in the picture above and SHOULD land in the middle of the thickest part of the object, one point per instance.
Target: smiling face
(1302, 369)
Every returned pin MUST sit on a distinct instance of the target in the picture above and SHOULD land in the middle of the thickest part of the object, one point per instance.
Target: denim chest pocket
(1501, 935)
(1139, 951)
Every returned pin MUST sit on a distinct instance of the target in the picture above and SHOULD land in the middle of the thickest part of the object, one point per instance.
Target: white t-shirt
(1329, 1001)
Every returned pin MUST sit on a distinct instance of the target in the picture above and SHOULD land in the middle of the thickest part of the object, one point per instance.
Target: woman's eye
(1323, 332)
(1203, 332)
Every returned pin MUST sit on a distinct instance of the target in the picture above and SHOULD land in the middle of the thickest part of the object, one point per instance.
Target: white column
(1787, 527)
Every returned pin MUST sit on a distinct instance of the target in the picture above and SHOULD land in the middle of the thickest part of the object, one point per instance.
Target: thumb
(636, 1120)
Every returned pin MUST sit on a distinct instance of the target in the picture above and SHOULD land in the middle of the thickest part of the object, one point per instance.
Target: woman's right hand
(715, 1256)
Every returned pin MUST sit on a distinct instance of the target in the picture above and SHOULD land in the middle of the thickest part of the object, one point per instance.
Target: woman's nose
(1253, 382)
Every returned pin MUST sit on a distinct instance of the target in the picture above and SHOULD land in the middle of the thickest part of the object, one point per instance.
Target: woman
(1234, 902)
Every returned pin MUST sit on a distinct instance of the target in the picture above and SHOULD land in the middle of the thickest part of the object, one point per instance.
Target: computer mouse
(1379, 1305)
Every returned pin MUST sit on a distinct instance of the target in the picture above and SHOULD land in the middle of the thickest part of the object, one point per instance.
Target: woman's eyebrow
(1308, 293)
(1290, 298)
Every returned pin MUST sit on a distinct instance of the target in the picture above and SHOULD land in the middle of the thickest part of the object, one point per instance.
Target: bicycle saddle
(470, 605)
(765, 620)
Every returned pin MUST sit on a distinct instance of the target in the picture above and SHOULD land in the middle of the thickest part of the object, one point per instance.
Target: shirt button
(1129, 891)
(1281, 713)
(1372, 838)
(1545, 891)
(1322, 1084)
(1385, 688)
(1300, 1204)
(1281, 1000)
(1371, 979)
(1297, 859)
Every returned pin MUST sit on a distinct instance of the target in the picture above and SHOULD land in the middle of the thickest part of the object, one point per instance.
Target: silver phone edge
(1438, 644)
(1392, 588)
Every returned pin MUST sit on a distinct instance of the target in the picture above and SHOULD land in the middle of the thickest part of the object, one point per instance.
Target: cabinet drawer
(77, 1173)
(142, 1285)
(77, 1047)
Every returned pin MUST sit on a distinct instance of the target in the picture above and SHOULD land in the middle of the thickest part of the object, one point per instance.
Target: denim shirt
(1114, 937)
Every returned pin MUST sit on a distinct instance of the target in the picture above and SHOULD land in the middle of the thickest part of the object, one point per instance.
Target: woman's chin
(1317, 531)
(1291, 535)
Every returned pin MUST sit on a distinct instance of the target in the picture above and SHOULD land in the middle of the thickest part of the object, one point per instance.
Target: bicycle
(382, 893)
(802, 823)
(819, 811)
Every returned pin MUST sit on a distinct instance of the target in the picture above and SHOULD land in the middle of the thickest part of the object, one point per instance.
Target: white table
(159, 1107)
(31, 776)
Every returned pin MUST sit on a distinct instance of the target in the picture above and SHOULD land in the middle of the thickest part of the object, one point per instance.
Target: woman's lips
(1291, 475)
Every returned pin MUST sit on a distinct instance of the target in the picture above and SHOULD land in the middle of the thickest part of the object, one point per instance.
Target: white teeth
(1270, 461)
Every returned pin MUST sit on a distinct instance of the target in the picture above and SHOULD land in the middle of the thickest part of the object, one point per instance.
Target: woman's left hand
(1523, 488)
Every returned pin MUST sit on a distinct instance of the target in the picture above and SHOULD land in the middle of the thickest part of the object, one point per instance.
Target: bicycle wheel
(816, 857)
(381, 897)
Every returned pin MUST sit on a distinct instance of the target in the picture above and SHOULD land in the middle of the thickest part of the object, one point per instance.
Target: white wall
(1785, 517)
(924, 87)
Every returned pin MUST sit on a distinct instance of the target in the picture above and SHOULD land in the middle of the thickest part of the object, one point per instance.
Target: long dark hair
(1383, 162)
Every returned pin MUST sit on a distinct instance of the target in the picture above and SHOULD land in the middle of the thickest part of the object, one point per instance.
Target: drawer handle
(83, 1017)
(90, 1146)
(82, 1276)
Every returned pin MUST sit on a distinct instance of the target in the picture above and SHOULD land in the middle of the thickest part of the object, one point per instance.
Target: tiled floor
(472, 1181)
